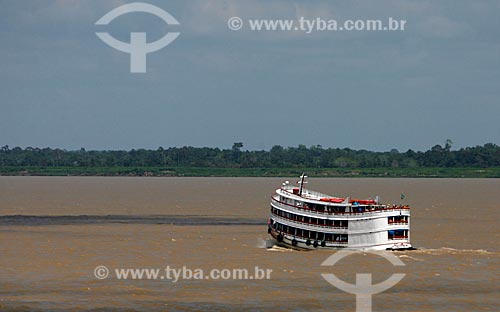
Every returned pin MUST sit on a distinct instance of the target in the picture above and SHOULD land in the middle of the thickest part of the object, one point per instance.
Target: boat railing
(365, 212)
(319, 226)
(314, 195)
(331, 241)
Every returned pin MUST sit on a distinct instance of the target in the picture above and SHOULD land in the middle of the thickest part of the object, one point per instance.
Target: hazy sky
(61, 86)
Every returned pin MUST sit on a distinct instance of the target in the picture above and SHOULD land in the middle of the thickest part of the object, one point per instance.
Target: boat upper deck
(314, 197)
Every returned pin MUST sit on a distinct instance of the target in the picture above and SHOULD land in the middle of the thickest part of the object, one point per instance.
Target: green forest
(439, 161)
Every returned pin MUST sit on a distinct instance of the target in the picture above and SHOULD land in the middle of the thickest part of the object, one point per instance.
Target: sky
(61, 86)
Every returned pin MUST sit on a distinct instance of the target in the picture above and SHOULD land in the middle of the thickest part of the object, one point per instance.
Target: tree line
(314, 156)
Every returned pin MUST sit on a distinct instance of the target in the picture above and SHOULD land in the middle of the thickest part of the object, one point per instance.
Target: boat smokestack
(301, 182)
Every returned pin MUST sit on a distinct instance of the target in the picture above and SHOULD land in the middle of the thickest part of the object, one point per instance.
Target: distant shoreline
(418, 172)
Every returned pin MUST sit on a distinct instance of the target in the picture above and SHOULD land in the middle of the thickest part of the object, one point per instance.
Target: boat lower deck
(299, 243)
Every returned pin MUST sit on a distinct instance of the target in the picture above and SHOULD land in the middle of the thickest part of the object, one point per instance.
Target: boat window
(397, 234)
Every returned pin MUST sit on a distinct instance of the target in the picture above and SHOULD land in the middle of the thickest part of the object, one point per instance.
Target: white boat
(305, 219)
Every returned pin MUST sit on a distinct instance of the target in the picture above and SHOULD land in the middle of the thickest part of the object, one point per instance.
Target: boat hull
(287, 241)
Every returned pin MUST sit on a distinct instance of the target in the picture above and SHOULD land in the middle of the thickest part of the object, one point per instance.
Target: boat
(304, 219)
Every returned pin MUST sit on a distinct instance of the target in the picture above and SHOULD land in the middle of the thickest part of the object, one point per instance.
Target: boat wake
(270, 245)
(264, 243)
(410, 257)
(277, 248)
(452, 251)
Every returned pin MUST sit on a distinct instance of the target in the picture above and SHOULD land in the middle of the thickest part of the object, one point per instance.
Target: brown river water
(54, 231)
